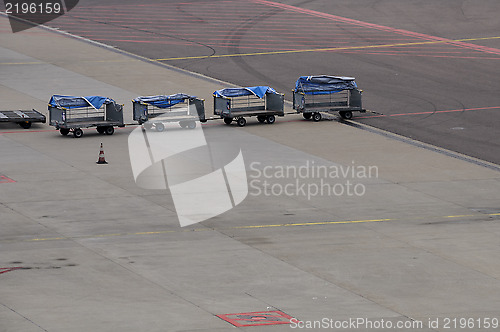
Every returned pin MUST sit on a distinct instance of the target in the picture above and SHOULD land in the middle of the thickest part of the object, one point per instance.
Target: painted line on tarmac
(209, 229)
(48, 239)
(459, 43)
(305, 224)
(8, 269)
(313, 223)
(460, 216)
(430, 112)
(327, 49)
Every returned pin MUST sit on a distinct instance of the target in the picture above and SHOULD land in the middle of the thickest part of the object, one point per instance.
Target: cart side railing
(247, 103)
(346, 99)
(111, 112)
(189, 107)
(85, 114)
(273, 102)
(153, 111)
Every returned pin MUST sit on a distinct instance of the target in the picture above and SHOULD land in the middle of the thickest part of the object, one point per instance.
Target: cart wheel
(109, 130)
(159, 127)
(261, 118)
(316, 116)
(306, 116)
(228, 120)
(64, 131)
(271, 119)
(101, 130)
(77, 133)
(25, 124)
(346, 115)
(191, 124)
(241, 122)
(148, 125)
(183, 124)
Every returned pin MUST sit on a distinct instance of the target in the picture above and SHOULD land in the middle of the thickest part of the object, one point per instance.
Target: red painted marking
(258, 318)
(26, 131)
(379, 27)
(4, 179)
(186, 43)
(431, 112)
(8, 269)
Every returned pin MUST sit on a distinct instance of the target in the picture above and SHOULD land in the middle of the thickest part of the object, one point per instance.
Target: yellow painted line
(247, 227)
(325, 49)
(173, 231)
(460, 216)
(117, 234)
(151, 233)
(281, 52)
(311, 223)
(21, 63)
(48, 239)
(207, 229)
(106, 235)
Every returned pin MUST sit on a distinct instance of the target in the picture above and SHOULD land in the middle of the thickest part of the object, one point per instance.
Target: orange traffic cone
(101, 160)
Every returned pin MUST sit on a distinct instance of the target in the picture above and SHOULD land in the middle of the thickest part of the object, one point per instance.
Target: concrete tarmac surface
(83, 248)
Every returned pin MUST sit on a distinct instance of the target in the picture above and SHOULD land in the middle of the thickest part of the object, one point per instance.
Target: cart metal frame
(154, 111)
(237, 103)
(73, 113)
(327, 94)
(23, 118)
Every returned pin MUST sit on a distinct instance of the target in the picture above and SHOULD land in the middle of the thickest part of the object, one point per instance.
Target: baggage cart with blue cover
(24, 118)
(260, 101)
(70, 113)
(154, 111)
(313, 94)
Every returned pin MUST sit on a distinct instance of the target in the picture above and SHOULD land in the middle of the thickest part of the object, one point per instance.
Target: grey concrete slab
(17, 227)
(85, 290)
(16, 321)
(227, 265)
(452, 190)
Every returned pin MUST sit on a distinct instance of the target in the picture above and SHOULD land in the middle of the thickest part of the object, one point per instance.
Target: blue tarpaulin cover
(324, 84)
(162, 101)
(258, 91)
(78, 102)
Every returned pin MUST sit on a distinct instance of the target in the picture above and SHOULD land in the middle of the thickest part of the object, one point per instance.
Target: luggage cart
(69, 113)
(237, 103)
(323, 93)
(155, 111)
(24, 118)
